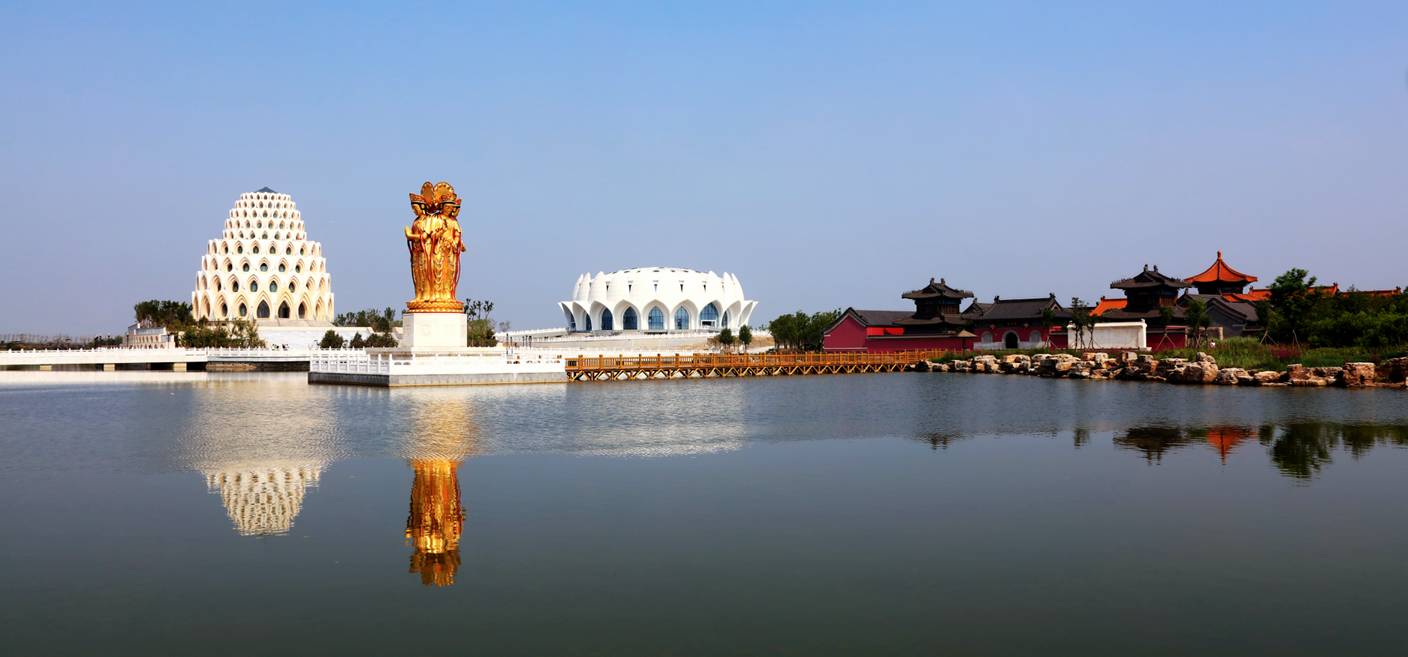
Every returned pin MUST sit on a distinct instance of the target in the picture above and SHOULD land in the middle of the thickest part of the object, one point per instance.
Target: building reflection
(442, 434)
(263, 500)
(1226, 438)
(1153, 442)
(262, 465)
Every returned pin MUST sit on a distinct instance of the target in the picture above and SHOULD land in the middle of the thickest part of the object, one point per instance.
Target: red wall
(1054, 335)
(849, 335)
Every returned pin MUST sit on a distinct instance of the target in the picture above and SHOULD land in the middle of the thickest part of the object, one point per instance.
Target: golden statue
(435, 245)
(435, 521)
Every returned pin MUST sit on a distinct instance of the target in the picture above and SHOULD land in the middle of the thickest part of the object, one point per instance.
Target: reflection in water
(1152, 441)
(1301, 449)
(263, 501)
(435, 521)
(1226, 439)
(443, 433)
(1298, 450)
(261, 464)
(939, 440)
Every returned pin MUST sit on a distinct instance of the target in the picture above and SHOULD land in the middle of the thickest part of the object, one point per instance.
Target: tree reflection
(1302, 449)
(1152, 441)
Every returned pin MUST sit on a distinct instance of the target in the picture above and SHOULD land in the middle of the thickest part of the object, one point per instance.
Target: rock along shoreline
(1202, 370)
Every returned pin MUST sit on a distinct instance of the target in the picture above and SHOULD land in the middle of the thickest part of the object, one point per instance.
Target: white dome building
(657, 300)
(263, 267)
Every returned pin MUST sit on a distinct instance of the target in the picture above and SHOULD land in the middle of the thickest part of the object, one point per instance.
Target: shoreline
(1201, 370)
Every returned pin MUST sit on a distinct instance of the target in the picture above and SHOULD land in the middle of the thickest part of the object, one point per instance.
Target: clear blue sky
(831, 155)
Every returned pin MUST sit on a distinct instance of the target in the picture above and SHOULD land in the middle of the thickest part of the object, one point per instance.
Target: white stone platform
(401, 366)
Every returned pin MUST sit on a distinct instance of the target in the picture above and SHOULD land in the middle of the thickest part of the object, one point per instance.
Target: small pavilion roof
(1221, 272)
(265, 190)
(1147, 279)
(939, 289)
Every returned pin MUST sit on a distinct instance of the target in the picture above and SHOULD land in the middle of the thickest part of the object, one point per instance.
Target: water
(877, 514)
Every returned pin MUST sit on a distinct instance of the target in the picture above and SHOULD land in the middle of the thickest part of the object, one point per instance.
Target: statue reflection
(435, 521)
(443, 434)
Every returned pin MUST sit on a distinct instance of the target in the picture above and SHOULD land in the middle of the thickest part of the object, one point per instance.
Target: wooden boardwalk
(703, 366)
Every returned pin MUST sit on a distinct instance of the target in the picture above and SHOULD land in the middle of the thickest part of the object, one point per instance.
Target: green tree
(174, 315)
(331, 340)
(800, 331)
(745, 336)
(1083, 320)
(481, 333)
(726, 338)
(1196, 314)
(357, 341)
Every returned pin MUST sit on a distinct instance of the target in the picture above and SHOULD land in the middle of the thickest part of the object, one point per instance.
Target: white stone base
(434, 330)
(401, 366)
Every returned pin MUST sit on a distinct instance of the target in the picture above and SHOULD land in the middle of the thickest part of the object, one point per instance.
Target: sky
(829, 154)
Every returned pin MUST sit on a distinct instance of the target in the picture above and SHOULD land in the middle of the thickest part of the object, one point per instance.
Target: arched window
(293, 285)
(629, 320)
(606, 320)
(254, 286)
(235, 287)
(1011, 340)
(588, 318)
(244, 310)
(256, 248)
(282, 267)
(709, 316)
(273, 286)
(655, 319)
(1036, 336)
(985, 337)
(283, 310)
(263, 266)
(263, 310)
(224, 309)
(239, 248)
(726, 322)
(302, 311)
(244, 267)
(681, 319)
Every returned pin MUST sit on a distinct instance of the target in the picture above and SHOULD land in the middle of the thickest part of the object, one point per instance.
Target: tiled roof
(1221, 272)
(880, 317)
(1148, 278)
(937, 289)
(1022, 310)
(1107, 305)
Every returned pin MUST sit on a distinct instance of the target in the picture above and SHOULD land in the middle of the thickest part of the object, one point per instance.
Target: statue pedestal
(434, 330)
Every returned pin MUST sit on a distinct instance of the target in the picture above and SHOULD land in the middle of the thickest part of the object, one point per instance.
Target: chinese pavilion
(937, 322)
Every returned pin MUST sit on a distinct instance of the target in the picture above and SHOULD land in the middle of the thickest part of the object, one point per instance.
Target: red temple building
(937, 322)
(1035, 323)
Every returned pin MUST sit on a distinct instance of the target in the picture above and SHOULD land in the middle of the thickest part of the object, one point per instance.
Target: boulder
(1231, 376)
(1204, 358)
(1268, 376)
(1394, 370)
(1202, 372)
(1357, 375)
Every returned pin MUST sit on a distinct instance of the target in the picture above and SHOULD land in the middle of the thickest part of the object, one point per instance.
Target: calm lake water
(165, 513)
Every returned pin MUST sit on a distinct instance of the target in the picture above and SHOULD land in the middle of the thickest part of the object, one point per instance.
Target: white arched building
(657, 300)
(263, 267)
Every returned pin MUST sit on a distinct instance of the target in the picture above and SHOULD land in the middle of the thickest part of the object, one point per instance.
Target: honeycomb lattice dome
(263, 267)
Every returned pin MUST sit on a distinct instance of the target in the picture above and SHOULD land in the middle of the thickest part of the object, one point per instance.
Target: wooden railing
(606, 368)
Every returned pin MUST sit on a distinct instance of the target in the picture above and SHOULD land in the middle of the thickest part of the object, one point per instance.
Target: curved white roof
(683, 297)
